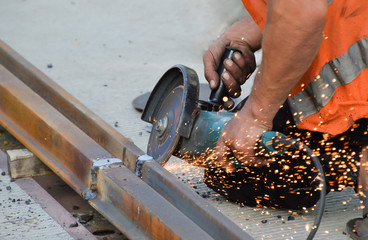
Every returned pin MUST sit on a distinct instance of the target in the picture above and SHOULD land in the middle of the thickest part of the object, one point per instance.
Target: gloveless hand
(239, 137)
(244, 36)
(237, 71)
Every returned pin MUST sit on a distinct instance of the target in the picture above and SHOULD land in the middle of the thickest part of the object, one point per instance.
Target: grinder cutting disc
(164, 137)
(171, 109)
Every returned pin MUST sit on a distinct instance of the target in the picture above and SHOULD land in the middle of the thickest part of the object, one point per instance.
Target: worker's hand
(237, 71)
(239, 137)
(243, 35)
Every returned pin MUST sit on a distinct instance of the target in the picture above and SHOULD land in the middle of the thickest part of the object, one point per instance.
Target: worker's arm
(291, 40)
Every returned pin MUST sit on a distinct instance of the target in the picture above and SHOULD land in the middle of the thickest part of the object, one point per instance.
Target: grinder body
(207, 130)
(205, 133)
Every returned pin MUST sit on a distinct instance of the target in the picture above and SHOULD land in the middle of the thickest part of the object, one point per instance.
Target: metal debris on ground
(75, 224)
(148, 128)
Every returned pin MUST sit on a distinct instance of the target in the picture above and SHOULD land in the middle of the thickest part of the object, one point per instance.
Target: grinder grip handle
(217, 95)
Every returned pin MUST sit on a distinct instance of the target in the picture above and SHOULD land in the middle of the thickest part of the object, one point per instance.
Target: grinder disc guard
(171, 108)
(164, 138)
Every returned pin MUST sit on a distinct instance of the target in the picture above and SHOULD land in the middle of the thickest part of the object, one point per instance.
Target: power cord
(277, 143)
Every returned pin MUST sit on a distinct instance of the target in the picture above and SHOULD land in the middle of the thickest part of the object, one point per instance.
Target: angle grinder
(183, 125)
(186, 127)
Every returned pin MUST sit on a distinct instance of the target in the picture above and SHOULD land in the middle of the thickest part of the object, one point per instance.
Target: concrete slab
(106, 53)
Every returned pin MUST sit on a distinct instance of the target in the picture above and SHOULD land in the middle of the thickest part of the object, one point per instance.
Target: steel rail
(85, 152)
(83, 165)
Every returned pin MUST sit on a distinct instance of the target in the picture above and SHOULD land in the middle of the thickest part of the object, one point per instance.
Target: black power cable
(277, 143)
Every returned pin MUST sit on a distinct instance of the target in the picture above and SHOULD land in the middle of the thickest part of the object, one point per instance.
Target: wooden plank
(23, 163)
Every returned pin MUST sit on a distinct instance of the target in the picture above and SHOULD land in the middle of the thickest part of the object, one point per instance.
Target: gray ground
(22, 218)
(106, 53)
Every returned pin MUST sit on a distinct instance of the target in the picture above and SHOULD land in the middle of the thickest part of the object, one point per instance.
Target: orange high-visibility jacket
(333, 93)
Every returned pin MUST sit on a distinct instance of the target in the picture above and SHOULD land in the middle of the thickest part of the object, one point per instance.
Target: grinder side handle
(217, 96)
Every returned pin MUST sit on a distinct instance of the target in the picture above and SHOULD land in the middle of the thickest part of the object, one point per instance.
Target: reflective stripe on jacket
(333, 93)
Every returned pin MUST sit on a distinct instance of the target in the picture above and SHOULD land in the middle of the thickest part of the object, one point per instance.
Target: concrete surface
(27, 211)
(21, 218)
(106, 53)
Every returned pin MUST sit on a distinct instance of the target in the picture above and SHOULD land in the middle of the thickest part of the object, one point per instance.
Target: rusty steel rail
(99, 163)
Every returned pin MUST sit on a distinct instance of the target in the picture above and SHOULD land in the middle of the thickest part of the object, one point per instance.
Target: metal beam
(150, 212)
(78, 160)
(199, 211)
